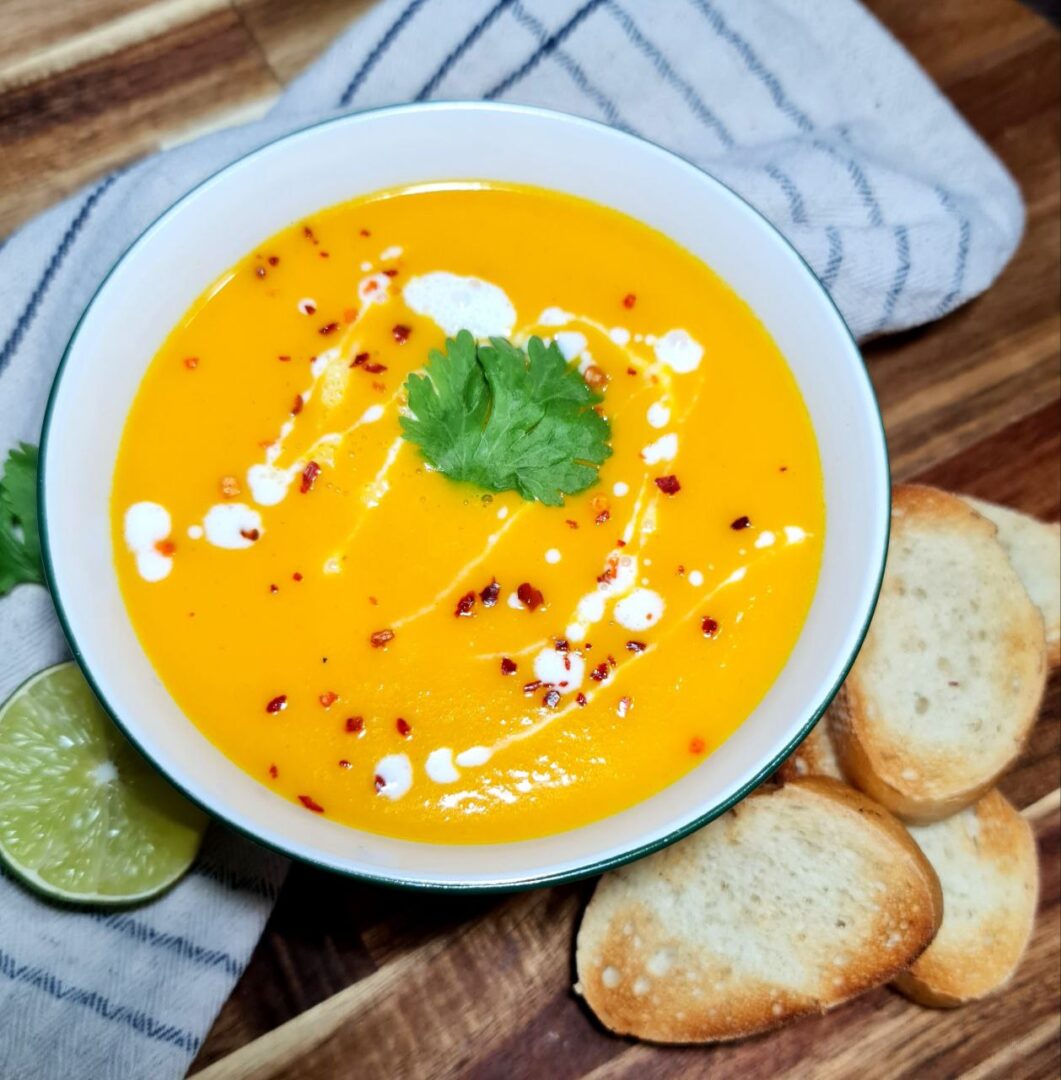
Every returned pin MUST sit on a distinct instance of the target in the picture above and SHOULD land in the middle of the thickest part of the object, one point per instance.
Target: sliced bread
(796, 900)
(815, 756)
(987, 863)
(1034, 549)
(946, 687)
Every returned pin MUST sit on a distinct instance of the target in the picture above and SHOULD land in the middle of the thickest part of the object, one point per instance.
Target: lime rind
(83, 818)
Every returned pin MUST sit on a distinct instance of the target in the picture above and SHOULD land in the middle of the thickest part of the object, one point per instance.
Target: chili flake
(636, 646)
(391, 272)
(276, 704)
(296, 405)
(696, 745)
(354, 725)
(405, 729)
(349, 314)
(375, 369)
(311, 804)
(401, 333)
(669, 485)
(709, 626)
(165, 547)
(743, 522)
(309, 477)
(284, 358)
(250, 534)
(551, 698)
(273, 260)
(490, 594)
(365, 232)
(381, 638)
(571, 524)
(328, 328)
(274, 588)
(580, 699)
(296, 576)
(274, 772)
(508, 667)
(328, 698)
(530, 687)
(599, 673)
(379, 782)
(561, 644)
(260, 271)
(465, 606)
(307, 232)
(360, 359)
(629, 300)
(530, 597)
(631, 371)
(344, 764)
(191, 362)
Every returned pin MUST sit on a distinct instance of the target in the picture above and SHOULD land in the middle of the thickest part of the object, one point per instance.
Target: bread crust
(901, 776)
(625, 932)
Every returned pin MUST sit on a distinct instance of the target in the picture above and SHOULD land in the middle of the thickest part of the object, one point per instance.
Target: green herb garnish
(20, 545)
(507, 419)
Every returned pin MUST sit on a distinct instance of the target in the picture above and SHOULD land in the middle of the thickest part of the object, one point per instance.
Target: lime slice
(82, 816)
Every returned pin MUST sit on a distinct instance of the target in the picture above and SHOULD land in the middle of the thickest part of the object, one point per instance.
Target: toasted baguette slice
(946, 687)
(1034, 549)
(987, 863)
(815, 756)
(793, 902)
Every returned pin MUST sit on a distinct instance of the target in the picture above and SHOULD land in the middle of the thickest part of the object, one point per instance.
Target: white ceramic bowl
(222, 219)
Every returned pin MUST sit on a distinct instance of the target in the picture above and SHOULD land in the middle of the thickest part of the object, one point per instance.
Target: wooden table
(351, 980)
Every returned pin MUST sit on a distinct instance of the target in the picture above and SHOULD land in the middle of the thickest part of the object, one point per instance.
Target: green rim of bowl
(411, 883)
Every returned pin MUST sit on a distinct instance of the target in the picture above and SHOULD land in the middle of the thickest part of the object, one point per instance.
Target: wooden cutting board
(353, 981)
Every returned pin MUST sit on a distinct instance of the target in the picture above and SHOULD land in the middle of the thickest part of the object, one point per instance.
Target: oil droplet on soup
(458, 665)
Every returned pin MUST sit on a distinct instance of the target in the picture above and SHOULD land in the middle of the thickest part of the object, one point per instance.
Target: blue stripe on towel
(756, 66)
(467, 42)
(379, 51)
(549, 45)
(964, 237)
(54, 987)
(659, 61)
(902, 272)
(578, 76)
(797, 211)
(175, 943)
(836, 256)
(54, 263)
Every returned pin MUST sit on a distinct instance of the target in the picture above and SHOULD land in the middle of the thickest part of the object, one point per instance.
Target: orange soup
(357, 603)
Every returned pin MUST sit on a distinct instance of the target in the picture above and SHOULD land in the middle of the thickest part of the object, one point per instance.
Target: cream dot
(696, 578)
(195, 532)
(620, 488)
(552, 556)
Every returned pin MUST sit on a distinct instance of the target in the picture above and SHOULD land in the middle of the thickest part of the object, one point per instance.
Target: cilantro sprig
(507, 419)
(20, 545)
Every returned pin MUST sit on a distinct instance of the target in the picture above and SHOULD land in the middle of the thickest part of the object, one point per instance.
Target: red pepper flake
(405, 729)
(391, 273)
(561, 644)
(328, 698)
(380, 387)
(349, 314)
(274, 588)
(274, 772)
(165, 547)
(328, 328)
(551, 698)
(250, 534)
(465, 606)
(344, 764)
(508, 667)
(530, 597)
(273, 260)
(260, 271)
(709, 626)
(307, 232)
(276, 704)
(681, 570)
(296, 405)
(375, 369)
(636, 646)
(599, 673)
(323, 255)
(530, 687)
(610, 572)
(602, 517)
(284, 358)
(365, 232)
(490, 594)
(696, 745)
(311, 804)
(354, 725)
(620, 542)
(784, 468)
(669, 485)
(381, 638)
(373, 601)
(743, 522)
(401, 333)
(580, 699)
(624, 706)
(631, 371)
(571, 524)
(611, 660)
(191, 362)
(309, 477)
(296, 576)
(379, 783)
(629, 300)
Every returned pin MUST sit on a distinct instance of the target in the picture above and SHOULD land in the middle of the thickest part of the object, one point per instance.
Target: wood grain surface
(351, 980)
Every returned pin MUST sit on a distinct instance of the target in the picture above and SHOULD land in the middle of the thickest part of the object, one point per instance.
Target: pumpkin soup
(468, 513)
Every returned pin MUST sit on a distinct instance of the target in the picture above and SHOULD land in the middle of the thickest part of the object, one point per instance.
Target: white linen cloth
(808, 108)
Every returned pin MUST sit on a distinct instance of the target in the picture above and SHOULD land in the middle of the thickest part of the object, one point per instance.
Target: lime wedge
(83, 817)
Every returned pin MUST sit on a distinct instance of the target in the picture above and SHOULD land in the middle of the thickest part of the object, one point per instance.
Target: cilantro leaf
(507, 419)
(20, 545)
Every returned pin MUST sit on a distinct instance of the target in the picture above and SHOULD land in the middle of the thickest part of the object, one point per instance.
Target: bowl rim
(406, 882)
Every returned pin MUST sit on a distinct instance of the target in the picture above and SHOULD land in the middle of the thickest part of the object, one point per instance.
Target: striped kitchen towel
(808, 109)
